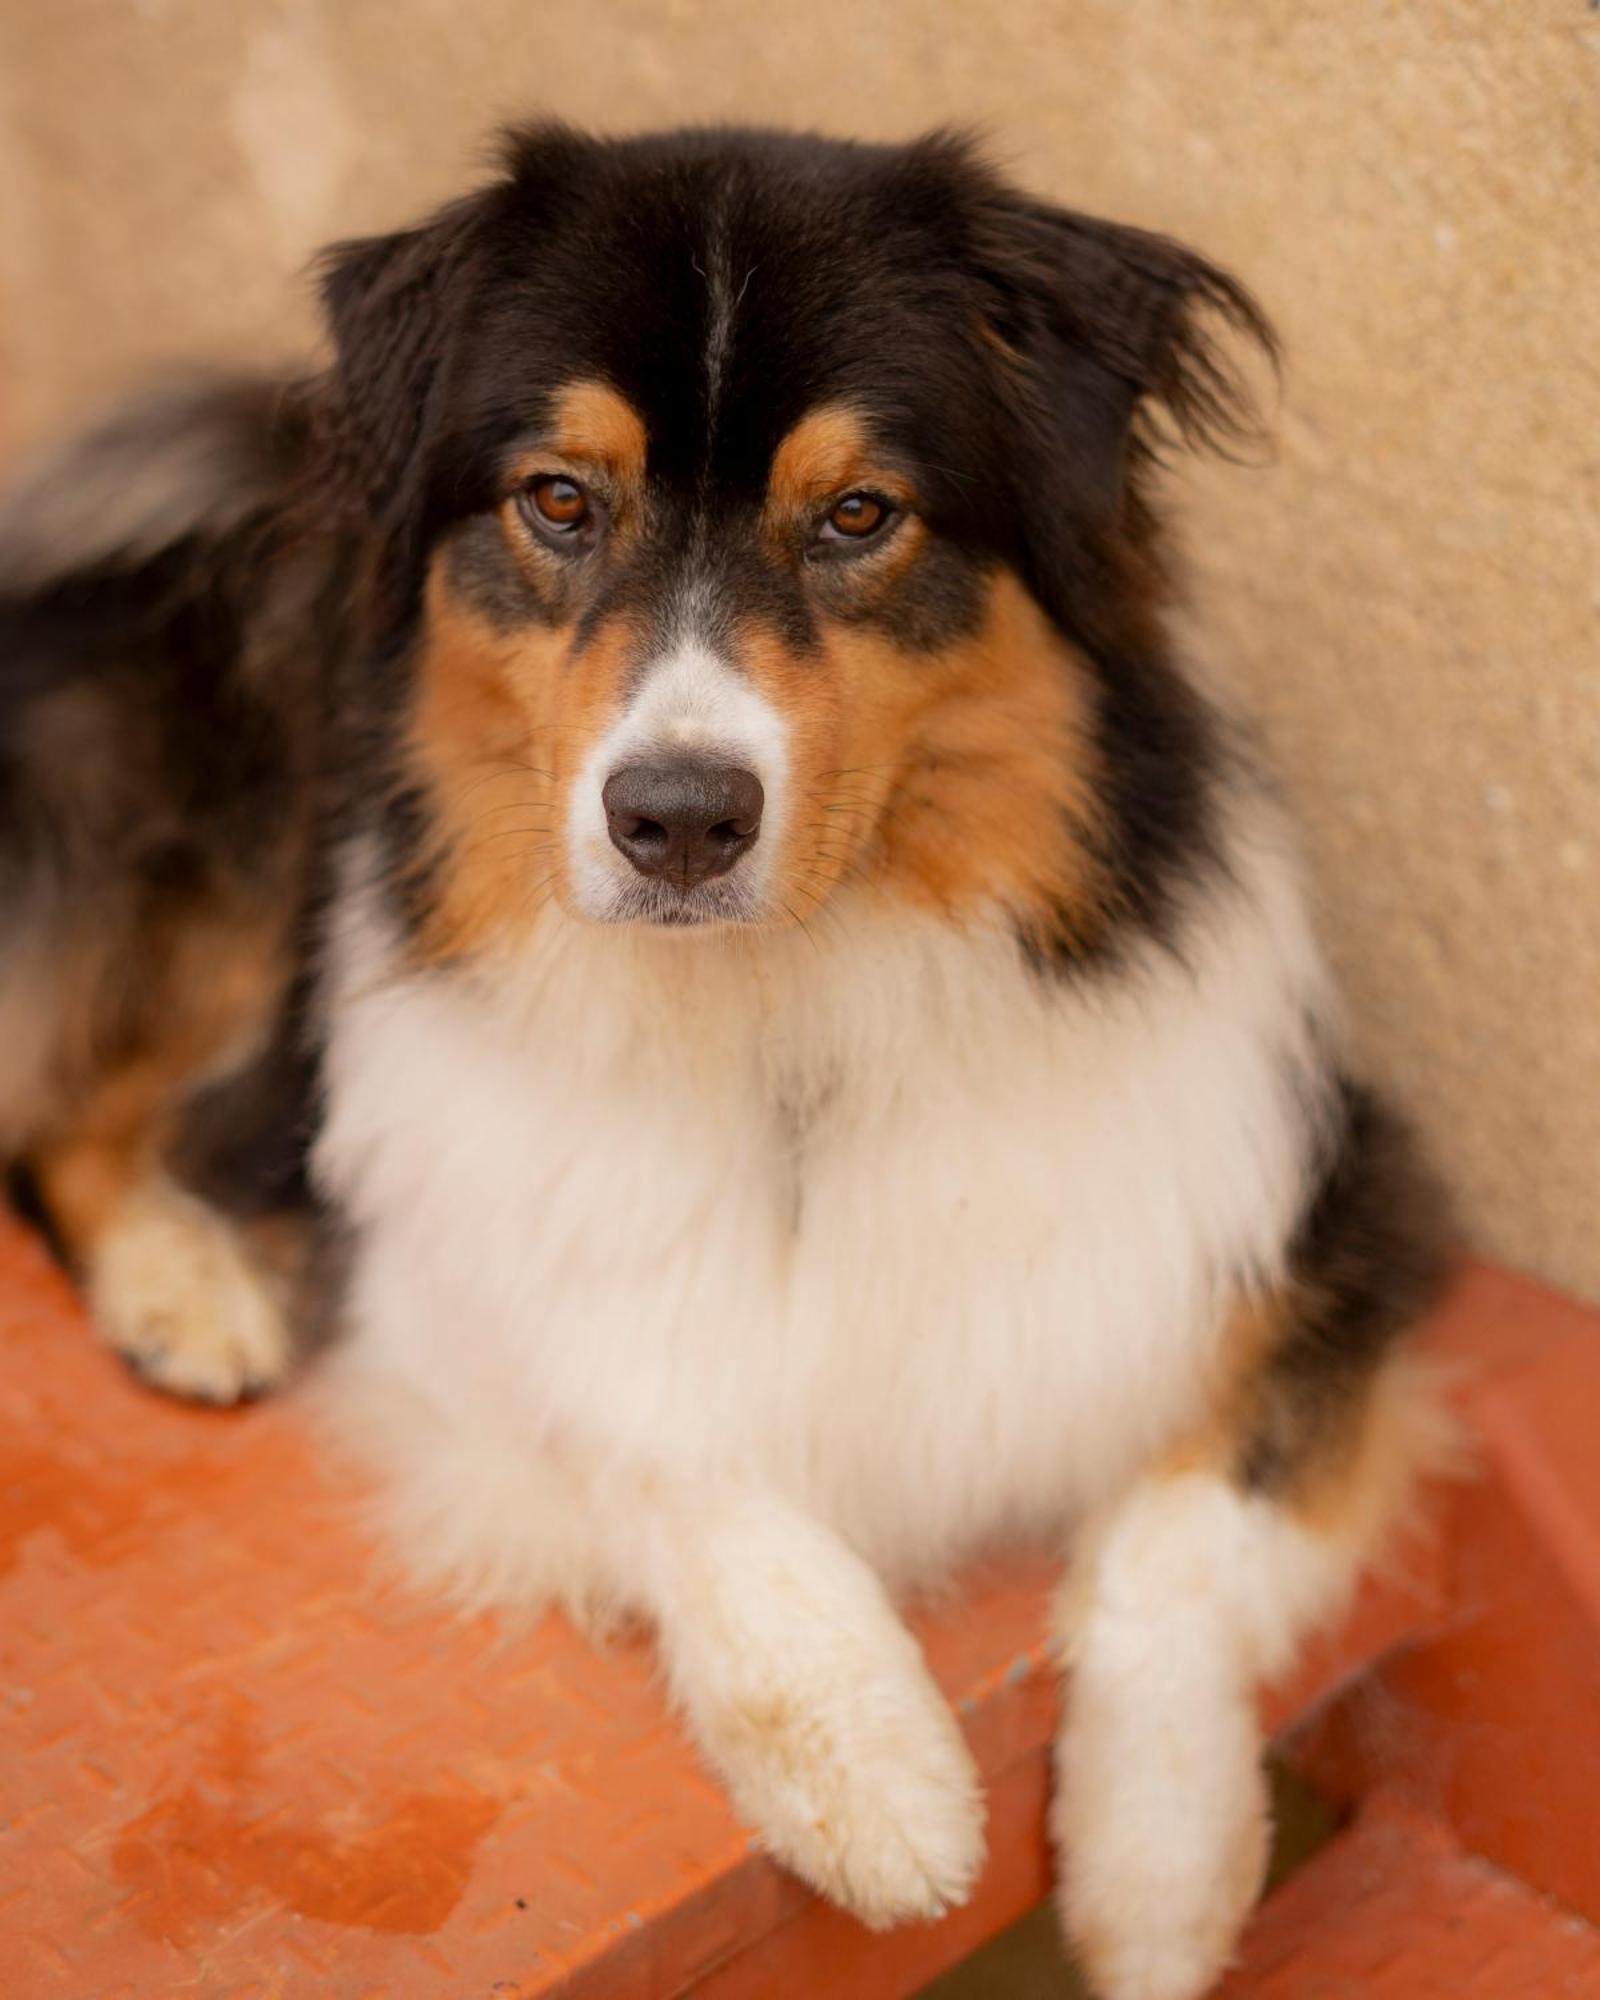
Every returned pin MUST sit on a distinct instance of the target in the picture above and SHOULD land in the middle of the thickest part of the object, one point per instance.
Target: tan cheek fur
(952, 781)
(501, 722)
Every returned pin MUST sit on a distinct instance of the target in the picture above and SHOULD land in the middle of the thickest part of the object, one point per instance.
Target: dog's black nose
(682, 819)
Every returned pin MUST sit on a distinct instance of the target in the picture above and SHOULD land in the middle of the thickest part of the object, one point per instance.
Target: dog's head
(754, 513)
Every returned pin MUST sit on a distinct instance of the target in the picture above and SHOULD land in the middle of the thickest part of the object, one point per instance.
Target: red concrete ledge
(1489, 1720)
(238, 1766)
(1395, 1910)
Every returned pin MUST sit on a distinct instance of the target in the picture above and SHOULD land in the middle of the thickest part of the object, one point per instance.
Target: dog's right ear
(393, 304)
(396, 307)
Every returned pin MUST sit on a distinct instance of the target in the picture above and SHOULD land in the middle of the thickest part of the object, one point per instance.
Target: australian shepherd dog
(647, 838)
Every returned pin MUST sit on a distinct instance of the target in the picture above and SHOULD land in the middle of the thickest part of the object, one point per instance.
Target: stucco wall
(1410, 592)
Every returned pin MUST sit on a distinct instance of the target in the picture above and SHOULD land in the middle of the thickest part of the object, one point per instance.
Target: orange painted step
(1395, 1909)
(1492, 1723)
(235, 1765)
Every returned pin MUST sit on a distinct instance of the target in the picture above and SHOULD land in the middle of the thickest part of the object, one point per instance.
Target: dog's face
(756, 516)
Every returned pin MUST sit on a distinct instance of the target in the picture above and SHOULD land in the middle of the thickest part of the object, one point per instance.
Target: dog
(648, 835)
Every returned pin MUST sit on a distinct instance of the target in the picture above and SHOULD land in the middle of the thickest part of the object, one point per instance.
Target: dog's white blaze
(689, 700)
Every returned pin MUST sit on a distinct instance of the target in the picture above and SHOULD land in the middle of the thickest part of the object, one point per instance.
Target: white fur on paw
(863, 1787)
(174, 1292)
(1162, 1836)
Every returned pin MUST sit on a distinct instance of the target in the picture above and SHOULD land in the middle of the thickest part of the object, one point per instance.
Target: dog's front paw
(862, 1786)
(174, 1292)
(817, 1709)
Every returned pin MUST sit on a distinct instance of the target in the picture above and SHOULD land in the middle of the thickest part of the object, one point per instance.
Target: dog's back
(161, 714)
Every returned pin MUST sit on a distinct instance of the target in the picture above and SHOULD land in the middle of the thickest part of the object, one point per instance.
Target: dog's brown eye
(559, 503)
(856, 516)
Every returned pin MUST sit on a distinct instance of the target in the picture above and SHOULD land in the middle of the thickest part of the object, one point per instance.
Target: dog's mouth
(659, 905)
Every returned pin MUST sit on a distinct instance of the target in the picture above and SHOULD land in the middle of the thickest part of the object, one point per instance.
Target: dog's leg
(1184, 1597)
(169, 1282)
(1183, 1600)
(1200, 1583)
(813, 1703)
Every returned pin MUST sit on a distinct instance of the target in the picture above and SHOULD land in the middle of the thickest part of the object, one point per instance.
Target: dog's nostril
(683, 819)
(644, 829)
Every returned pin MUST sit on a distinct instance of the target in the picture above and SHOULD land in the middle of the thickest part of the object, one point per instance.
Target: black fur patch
(1368, 1259)
(166, 688)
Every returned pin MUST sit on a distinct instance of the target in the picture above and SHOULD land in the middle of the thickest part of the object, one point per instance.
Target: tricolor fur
(666, 770)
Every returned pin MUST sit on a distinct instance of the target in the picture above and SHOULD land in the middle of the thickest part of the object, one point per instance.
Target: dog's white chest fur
(876, 1218)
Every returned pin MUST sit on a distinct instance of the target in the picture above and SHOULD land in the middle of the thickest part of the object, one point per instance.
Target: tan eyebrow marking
(592, 425)
(592, 421)
(825, 451)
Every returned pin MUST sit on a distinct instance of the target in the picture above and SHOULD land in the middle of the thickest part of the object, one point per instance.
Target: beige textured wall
(1410, 593)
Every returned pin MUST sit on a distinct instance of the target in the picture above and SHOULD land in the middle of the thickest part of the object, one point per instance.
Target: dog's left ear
(1112, 344)
(1151, 314)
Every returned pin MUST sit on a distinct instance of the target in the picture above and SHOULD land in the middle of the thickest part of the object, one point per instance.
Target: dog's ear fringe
(1203, 324)
(1165, 320)
(386, 300)
(1175, 327)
